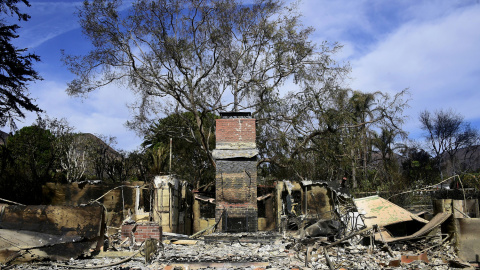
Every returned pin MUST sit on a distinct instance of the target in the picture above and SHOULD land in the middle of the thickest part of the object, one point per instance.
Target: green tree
(197, 56)
(27, 163)
(189, 161)
(361, 110)
(16, 69)
(384, 143)
(419, 167)
(100, 153)
(69, 149)
(140, 165)
(117, 167)
(32, 149)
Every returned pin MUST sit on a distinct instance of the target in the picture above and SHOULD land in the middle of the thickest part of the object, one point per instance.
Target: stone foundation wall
(117, 202)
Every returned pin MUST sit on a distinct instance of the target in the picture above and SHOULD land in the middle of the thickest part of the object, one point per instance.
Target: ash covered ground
(273, 251)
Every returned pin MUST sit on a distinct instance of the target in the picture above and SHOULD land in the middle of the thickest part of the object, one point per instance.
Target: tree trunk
(203, 139)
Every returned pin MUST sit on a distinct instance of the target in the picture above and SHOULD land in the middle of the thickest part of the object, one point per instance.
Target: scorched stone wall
(236, 181)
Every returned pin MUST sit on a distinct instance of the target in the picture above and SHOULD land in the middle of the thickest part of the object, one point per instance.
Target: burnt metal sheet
(468, 238)
(381, 212)
(204, 198)
(436, 221)
(53, 232)
(261, 198)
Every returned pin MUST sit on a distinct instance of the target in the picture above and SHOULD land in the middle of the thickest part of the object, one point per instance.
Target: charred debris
(237, 222)
(300, 225)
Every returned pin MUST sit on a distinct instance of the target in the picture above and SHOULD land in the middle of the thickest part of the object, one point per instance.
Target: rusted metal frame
(434, 246)
(385, 245)
(348, 237)
(5, 200)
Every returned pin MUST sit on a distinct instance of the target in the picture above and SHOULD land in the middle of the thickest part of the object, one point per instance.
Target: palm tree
(362, 114)
(384, 142)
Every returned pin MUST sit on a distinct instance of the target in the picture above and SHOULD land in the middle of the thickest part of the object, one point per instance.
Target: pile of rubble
(371, 234)
(291, 252)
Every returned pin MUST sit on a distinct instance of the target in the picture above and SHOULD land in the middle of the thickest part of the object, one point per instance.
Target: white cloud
(436, 59)
(430, 47)
(103, 112)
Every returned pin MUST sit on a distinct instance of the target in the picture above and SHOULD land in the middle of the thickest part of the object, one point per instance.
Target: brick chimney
(236, 177)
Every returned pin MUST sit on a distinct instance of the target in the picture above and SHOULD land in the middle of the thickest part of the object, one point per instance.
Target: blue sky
(430, 47)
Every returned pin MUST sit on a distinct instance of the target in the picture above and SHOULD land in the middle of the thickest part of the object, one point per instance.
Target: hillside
(99, 153)
(88, 138)
(468, 158)
(98, 143)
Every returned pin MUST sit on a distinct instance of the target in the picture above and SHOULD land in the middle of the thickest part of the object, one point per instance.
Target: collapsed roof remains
(308, 233)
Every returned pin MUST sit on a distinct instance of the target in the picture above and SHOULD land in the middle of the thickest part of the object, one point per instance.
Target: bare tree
(317, 133)
(198, 56)
(447, 133)
(74, 161)
(71, 149)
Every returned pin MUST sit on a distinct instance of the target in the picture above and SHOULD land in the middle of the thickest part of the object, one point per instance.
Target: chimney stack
(236, 175)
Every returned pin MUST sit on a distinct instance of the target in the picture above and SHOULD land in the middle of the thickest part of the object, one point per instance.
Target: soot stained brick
(236, 179)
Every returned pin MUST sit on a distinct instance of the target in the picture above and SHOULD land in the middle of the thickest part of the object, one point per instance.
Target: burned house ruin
(235, 222)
